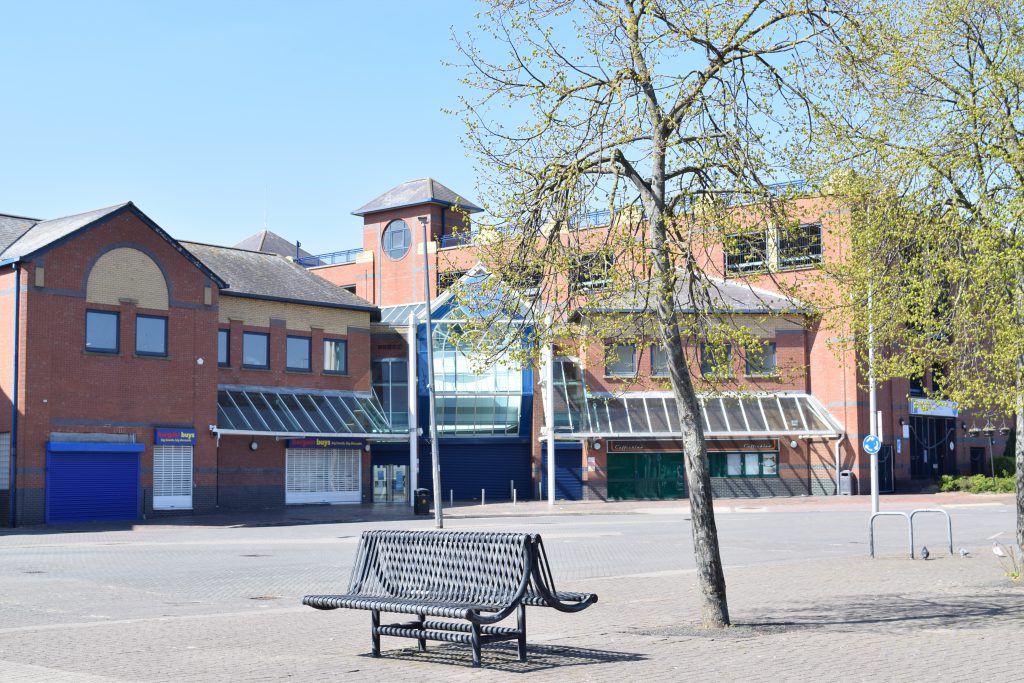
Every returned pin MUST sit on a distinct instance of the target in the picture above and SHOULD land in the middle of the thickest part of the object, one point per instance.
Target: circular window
(397, 239)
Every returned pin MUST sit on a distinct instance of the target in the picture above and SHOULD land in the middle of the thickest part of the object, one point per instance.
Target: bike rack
(910, 527)
(949, 528)
(871, 529)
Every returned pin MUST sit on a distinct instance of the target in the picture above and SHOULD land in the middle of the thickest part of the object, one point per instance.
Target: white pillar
(414, 458)
(548, 386)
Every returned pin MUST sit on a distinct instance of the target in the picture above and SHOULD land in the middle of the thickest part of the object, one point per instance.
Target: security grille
(322, 475)
(5, 461)
(172, 477)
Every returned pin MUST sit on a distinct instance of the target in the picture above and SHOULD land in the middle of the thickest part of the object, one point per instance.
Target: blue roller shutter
(92, 481)
(568, 471)
(468, 467)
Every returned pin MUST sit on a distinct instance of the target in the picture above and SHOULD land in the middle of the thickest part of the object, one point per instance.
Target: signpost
(872, 444)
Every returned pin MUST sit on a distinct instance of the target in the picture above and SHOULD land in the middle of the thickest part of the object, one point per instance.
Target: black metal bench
(478, 577)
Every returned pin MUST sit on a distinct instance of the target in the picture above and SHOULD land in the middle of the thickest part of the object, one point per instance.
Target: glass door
(390, 484)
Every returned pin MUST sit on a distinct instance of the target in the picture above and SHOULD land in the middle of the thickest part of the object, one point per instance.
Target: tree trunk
(1020, 469)
(714, 606)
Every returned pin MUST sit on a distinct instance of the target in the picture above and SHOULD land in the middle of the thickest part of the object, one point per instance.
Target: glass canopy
(579, 413)
(276, 411)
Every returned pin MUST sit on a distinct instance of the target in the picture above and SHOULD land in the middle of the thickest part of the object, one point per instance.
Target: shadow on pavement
(504, 657)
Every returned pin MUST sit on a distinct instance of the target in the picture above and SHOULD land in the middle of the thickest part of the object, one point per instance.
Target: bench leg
(375, 633)
(475, 642)
(423, 641)
(521, 618)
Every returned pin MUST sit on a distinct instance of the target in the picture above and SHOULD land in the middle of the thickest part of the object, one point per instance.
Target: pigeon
(964, 552)
(998, 551)
(924, 552)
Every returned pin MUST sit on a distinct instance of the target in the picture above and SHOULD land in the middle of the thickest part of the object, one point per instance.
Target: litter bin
(845, 483)
(421, 502)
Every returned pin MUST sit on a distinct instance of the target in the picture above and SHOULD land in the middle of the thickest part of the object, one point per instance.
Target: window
(917, 386)
(591, 271)
(255, 350)
(224, 348)
(745, 252)
(659, 361)
(391, 384)
(716, 360)
(351, 289)
(297, 354)
(448, 278)
(101, 331)
(761, 360)
(150, 335)
(620, 360)
(744, 464)
(336, 356)
(800, 245)
(396, 240)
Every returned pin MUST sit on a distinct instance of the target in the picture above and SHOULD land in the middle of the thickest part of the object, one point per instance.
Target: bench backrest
(448, 566)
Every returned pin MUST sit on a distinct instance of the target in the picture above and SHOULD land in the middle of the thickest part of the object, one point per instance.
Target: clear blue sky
(209, 114)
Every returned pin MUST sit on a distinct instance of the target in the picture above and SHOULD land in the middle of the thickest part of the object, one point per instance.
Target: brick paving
(190, 603)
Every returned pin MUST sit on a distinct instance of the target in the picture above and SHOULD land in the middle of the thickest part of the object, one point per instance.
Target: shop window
(800, 245)
(620, 360)
(297, 354)
(746, 252)
(224, 348)
(716, 360)
(740, 465)
(391, 384)
(659, 361)
(761, 360)
(101, 331)
(255, 350)
(150, 335)
(336, 356)
(396, 240)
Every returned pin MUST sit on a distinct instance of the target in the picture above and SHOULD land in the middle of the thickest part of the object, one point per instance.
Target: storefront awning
(275, 411)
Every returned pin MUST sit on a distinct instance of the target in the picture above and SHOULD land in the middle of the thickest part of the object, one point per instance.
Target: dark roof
(273, 277)
(43, 234)
(413, 192)
(721, 296)
(13, 227)
(270, 243)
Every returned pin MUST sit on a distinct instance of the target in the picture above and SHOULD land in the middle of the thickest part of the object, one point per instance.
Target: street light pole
(435, 462)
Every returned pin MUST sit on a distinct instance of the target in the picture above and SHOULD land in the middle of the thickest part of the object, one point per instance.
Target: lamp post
(435, 463)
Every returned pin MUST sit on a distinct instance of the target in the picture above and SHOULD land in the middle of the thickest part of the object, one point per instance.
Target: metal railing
(332, 259)
(459, 239)
(591, 219)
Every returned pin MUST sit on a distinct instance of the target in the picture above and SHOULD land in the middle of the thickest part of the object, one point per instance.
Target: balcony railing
(332, 259)
(591, 219)
(459, 239)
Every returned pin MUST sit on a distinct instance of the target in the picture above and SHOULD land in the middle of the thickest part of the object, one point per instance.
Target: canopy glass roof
(579, 413)
(277, 411)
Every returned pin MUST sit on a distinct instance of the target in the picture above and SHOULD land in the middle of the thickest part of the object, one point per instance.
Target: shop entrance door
(390, 484)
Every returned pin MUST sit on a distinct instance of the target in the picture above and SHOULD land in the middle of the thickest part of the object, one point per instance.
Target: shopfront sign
(673, 446)
(174, 437)
(924, 406)
(326, 442)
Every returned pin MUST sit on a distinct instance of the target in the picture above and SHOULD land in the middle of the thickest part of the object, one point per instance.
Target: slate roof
(13, 227)
(270, 243)
(258, 275)
(413, 192)
(723, 296)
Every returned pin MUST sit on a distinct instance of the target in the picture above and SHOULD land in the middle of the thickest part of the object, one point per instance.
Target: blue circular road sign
(872, 444)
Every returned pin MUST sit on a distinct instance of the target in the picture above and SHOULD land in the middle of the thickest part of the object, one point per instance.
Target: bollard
(451, 498)
(513, 497)
(483, 496)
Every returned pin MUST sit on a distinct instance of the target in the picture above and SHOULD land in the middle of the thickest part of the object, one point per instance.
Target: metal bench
(477, 577)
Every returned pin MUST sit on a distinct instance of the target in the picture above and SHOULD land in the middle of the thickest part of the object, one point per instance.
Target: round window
(397, 239)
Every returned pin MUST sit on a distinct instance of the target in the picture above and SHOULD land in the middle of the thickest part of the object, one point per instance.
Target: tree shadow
(503, 656)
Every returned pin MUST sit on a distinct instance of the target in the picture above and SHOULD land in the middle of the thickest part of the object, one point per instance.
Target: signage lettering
(326, 442)
(174, 437)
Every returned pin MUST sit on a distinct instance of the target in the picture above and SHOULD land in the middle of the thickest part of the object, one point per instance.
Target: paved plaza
(212, 599)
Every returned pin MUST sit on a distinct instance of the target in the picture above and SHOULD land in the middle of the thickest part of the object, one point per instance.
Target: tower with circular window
(396, 239)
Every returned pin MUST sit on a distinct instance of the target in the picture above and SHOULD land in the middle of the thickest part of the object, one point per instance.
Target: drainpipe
(839, 441)
(12, 491)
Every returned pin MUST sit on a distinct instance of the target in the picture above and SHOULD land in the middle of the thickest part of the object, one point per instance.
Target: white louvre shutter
(172, 477)
(322, 475)
(5, 461)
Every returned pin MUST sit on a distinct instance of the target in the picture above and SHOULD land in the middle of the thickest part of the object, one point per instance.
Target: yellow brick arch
(127, 273)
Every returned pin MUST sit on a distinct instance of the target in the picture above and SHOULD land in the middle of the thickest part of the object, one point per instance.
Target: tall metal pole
(872, 402)
(410, 373)
(435, 462)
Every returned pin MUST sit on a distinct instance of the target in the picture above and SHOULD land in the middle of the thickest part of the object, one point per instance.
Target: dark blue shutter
(483, 464)
(568, 471)
(87, 481)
